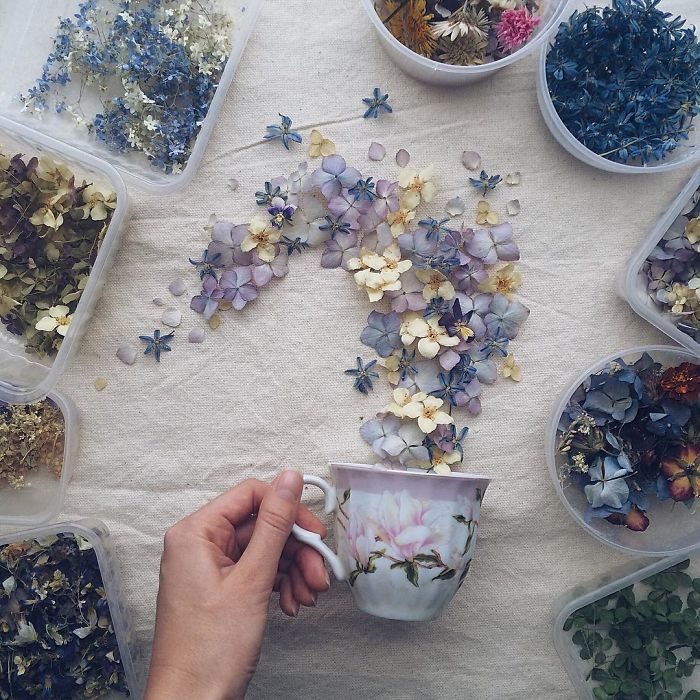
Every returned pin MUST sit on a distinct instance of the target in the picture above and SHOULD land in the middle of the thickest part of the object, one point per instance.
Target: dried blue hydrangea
(625, 80)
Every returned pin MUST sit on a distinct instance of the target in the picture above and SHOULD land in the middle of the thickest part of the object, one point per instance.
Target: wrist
(167, 682)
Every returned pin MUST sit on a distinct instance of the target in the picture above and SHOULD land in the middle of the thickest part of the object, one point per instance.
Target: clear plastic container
(632, 282)
(40, 500)
(429, 71)
(686, 154)
(97, 533)
(612, 582)
(24, 377)
(26, 38)
(674, 528)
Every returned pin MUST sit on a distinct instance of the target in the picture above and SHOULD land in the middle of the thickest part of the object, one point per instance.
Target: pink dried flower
(515, 28)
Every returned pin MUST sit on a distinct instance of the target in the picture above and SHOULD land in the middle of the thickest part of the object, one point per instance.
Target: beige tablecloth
(267, 388)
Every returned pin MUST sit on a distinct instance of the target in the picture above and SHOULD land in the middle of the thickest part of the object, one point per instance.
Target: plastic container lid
(97, 534)
(26, 39)
(23, 377)
(632, 282)
(609, 584)
(437, 73)
(686, 154)
(674, 529)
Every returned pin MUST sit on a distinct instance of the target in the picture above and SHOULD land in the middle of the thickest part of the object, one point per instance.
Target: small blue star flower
(283, 131)
(364, 189)
(486, 182)
(363, 376)
(207, 264)
(294, 246)
(264, 198)
(335, 226)
(376, 104)
(157, 344)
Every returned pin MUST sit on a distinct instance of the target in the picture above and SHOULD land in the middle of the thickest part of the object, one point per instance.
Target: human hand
(219, 568)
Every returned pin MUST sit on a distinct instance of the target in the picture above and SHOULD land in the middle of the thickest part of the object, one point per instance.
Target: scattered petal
(196, 335)
(471, 160)
(513, 207)
(100, 383)
(233, 184)
(158, 301)
(171, 317)
(376, 151)
(455, 207)
(403, 158)
(214, 322)
(177, 287)
(126, 352)
(513, 178)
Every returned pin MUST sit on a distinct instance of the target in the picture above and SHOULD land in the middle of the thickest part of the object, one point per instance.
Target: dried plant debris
(56, 635)
(51, 229)
(31, 438)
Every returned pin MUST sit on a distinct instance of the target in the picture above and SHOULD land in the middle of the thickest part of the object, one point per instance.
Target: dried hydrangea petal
(376, 151)
(100, 383)
(513, 207)
(214, 322)
(233, 184)
(471, 160)
(196, 335)
(126, 352)
(158, 301)
(403, 158)
(513, 178)
(177, 287)
(172, 317)
(455, 207)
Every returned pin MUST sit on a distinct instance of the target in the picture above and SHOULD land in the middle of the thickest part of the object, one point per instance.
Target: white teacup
(405, 539)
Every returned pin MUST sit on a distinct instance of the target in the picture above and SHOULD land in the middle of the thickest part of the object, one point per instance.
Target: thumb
(273, 525)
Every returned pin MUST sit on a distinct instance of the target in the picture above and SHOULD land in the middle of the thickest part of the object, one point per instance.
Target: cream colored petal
(46, 324)
(266, 252)
(419, 396)
(316, 137)
(63, 329)
(442, 418)
(426, 424)
(449, 341)
(354, 264)
(428, 348)
(446, 290)
(418, 328)
(59, 311)
(406, 176)
(402, 395)
(327, 148)
(429, 191)
(441, 468)
(412, 410)
(247, 244)
(409, 200)
(375, 295)
(432, 402)
(404, 266)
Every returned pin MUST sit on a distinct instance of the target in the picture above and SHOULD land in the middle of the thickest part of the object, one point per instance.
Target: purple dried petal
(177, 287)
(471, 160)
(196, 335)
(403, 158)
(376, 151)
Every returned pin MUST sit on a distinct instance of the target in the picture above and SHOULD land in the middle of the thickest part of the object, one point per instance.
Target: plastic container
(23, 377)
(588, 593)
(632, 282)
(429, 71)
(40, 500)
(97, 533)
(673, 530)
(686, 154)
(26, 36)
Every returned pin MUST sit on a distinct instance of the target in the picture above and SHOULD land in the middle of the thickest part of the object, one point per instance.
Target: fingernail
(288, 485)
(328, 579)
(314, 600)
(295, 611)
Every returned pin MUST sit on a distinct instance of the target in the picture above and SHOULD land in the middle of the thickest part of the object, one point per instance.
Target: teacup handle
(313, 539)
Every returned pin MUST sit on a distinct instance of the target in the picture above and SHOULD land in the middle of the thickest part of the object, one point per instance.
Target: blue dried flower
(363, 189)
(376, 104)
(296, 245)
(264, 198)
(363, 375)
(157, 344)
(485, 182)
(283, 131)
(382, 332)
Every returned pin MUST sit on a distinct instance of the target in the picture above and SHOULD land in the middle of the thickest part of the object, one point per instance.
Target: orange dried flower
(682, 383)
(682, 470)
(411, 26)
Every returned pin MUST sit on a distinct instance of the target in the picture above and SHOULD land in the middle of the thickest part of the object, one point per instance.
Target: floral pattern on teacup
(409, 534)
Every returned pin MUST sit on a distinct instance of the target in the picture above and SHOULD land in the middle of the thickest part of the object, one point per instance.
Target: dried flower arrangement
(56, 634)
(673, 270)
(447, 288)
(138, 74)
(459, 32)
(625, 80)
(632, 432)
(51, 228)
(31, 438)
(642, 641)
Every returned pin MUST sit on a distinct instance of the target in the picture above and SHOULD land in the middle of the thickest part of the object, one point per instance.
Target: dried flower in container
(461, 32)
(153, 65)
(625, 80)
(51, 229)
(56, 635)
(31, 439)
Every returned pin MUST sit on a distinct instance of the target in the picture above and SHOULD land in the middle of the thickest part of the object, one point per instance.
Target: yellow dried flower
(411, 26)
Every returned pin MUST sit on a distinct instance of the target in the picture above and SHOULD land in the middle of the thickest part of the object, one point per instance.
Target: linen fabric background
(267, 389)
